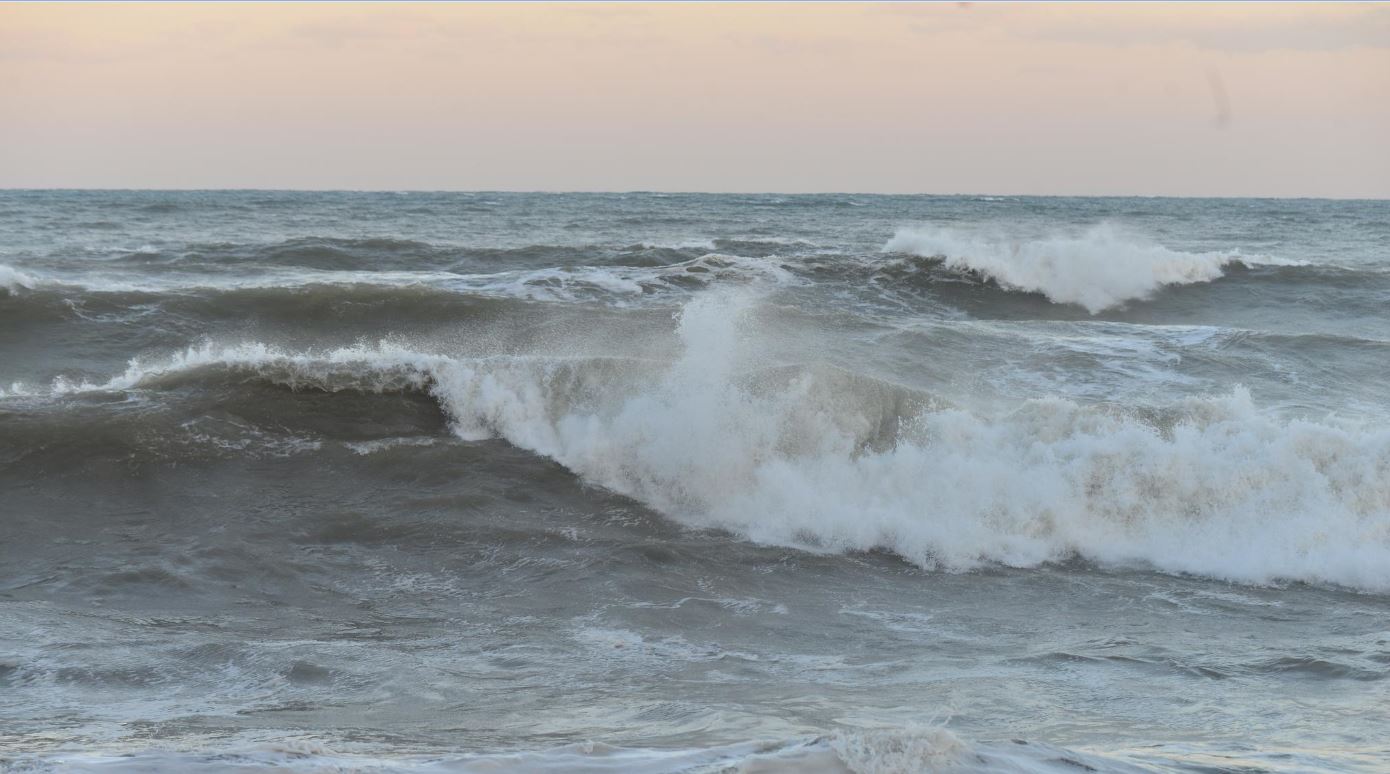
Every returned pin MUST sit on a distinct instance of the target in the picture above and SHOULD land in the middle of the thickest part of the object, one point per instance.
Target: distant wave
(818, 458)
(343, 254)
(380, 253)
(1100, 269)
(558, 283)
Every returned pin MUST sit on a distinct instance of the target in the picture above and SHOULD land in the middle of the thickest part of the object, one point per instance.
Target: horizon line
(653, 191)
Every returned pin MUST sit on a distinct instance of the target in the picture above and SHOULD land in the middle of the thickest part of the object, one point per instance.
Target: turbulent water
(693, 483)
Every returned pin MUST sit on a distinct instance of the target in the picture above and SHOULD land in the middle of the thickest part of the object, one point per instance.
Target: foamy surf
(850, 751)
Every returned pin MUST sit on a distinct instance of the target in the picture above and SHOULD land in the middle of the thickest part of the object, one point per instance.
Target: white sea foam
(1101, 268)
(13, 279)
(372, 447)
(831, 463)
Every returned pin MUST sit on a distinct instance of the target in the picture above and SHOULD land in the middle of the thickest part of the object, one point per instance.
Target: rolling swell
(819, 458)
(380, 253)
(209, 416)
(561, 283)
(1103, 272)
(1334, 293)
(304, 303)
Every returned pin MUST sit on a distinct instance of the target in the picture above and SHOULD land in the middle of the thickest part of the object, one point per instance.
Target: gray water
(655, 482)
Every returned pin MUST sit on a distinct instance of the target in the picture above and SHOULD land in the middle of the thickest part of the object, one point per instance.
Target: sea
(648, 482)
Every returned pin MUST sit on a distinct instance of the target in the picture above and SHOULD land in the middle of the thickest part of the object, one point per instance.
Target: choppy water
(648, 482)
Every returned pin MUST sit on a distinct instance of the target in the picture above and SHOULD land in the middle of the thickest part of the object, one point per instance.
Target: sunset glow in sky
(1229, 99)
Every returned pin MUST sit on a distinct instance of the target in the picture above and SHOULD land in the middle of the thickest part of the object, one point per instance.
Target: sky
(1241, 99)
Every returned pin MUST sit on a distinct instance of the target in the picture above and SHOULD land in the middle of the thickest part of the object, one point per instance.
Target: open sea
(480, 482)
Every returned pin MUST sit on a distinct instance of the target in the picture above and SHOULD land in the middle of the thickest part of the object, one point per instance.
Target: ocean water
(460, 482)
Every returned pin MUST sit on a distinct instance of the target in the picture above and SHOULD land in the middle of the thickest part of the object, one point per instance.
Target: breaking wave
(1098, 270)
(12, 279)
(815, 457)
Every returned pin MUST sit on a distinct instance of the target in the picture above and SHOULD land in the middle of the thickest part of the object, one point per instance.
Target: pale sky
(1243, 99)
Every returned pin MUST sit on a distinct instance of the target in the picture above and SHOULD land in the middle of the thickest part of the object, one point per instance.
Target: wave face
(1100, 269)
(687, 482)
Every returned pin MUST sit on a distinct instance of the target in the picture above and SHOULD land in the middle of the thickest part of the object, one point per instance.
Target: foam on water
(848, 751)
(1213, 486)
(1100, 269)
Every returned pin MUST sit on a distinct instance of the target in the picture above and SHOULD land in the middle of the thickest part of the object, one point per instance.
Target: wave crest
(1100, 269)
